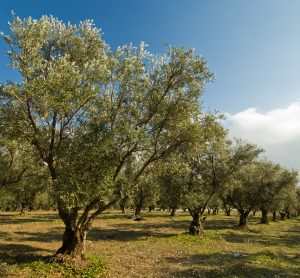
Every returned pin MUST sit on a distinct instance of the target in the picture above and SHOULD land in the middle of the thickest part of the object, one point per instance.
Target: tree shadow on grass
(124, 235)
(220, 224)
(22, 253)
(55, 234)
(145, 214)
(291, 240)
(133, 230)
(19, 219)
(213, 265)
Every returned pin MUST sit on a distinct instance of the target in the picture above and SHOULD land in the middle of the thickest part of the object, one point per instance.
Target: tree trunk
(173, 212)
(122, 207)
(253, 212)
(243, 218)
(138, 210)
(73, 246)
(227, 212)
(24, 208)
(288, 215)
(264, 216)
(282, 215)
(197, 225)
(274, 216)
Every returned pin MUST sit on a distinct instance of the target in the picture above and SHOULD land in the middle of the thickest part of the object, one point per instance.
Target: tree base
(69, 260)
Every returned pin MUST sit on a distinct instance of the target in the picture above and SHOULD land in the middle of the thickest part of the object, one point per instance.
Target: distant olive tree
(259, 185)
(212, 164)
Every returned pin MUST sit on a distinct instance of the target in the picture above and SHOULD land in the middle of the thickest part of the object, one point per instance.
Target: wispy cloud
(277, 131)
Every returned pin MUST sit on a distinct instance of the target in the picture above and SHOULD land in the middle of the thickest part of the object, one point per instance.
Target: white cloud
(277, 131)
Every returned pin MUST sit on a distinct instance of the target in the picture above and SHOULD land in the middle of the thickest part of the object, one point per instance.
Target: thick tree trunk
(264, 216)
(243, 218)
(73, 246)
(274, 216)
(173, 212)
(288, 215)
(197, 225)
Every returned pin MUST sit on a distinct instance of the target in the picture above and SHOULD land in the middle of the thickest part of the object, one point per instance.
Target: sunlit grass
(158, 246)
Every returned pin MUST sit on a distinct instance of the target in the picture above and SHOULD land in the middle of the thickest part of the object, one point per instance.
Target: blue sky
(252, 46)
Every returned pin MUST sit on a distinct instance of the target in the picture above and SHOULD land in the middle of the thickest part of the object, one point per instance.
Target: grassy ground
(156, 247)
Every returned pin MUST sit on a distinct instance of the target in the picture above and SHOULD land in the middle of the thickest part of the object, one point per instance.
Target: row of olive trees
(259, 185)
(95, 128)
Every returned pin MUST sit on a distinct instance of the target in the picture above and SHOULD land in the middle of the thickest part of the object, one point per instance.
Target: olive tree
(172, 182)
(258, 186)
(211, 169)
(274, 182)
(88, 111)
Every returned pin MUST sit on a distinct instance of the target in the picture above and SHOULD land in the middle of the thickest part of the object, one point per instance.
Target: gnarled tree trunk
(264, 216)
(243, 218)
(197, 225)
(76, 229)
(73, 247)
(74, 237)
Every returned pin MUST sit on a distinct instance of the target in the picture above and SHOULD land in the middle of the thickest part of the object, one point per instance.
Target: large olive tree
(88, 112)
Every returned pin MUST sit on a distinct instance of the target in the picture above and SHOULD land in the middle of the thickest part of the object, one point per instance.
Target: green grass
(156, 247)
(95, 268)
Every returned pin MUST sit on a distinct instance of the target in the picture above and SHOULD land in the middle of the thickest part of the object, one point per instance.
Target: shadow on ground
(229, 265)
(292, 240)
(21, 253)
(20, 219)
